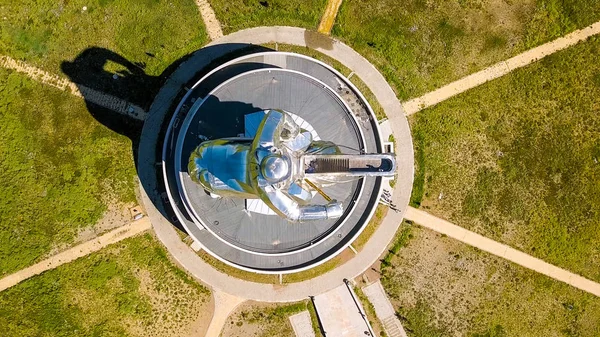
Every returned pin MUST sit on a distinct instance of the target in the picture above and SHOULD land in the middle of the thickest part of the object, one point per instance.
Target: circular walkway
(148, 158)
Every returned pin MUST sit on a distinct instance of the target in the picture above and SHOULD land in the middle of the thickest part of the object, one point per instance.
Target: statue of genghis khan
(283, 166)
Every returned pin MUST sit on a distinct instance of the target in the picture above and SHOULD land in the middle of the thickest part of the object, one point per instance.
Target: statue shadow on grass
(106, 72)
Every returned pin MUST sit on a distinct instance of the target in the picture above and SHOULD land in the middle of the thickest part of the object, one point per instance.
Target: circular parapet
(155, 198)
(224, 103)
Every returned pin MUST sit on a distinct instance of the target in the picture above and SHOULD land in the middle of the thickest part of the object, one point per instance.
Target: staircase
(392, 328)
(326, 165)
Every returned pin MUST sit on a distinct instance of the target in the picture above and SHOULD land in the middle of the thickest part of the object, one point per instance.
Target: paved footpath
(499, 69)
(341, 314)
(302, 324)
(213, 26)
(384, 310)
(328, 19)
(76, 252)
(225, 304)
(442, 226)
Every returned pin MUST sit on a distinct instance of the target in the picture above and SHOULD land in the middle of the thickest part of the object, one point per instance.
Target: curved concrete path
(379, 241)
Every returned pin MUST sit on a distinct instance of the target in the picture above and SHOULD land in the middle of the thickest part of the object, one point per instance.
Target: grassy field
(235, 15)
(127, 289)
(60, 170)
(518, 159)
(441, 287)
(264, 320)
(152, 33)
(421, 45)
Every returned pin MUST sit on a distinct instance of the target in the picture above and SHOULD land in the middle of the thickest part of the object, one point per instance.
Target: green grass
(310, 306)
(421, 45)
(127, 289)
(270, 278)
(457, 290)
(376, 325)
(517, 159)
(402, 238)
(313, 272)
(263, 320)
(238, 273)
(365, 235)
(47, 32)
(60, 169)
(236, 15)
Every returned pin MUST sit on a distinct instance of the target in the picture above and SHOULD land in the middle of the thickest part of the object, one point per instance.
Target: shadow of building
(107, 72)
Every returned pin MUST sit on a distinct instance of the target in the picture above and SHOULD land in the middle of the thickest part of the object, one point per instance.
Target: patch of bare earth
(252, 319)
(176, 309)
(116, 215)
(444, 274)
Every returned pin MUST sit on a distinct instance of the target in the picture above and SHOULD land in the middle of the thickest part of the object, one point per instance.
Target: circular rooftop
(245, 233)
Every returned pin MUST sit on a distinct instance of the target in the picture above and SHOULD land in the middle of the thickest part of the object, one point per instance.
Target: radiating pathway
(328, 19)
(225, 304)
(93, 96)
(384, 310)
(499, 69)
(213, 26)
(76, 252)
(493, 247)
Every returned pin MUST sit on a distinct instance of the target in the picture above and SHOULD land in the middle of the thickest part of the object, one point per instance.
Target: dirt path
(493, 247)
(498, 69)
(107, 101)
(328, 18)
(76, 252)
(213, 26)
(225, 304)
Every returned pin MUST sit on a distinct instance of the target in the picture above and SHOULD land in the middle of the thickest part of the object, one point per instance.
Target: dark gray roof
(216, 109)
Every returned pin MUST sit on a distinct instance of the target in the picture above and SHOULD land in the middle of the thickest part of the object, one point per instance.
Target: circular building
(232, 104)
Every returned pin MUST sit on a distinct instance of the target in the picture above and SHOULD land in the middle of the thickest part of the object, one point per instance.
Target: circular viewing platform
(227, 102)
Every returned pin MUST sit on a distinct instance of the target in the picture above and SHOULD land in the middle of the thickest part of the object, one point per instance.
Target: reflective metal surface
(283, 167)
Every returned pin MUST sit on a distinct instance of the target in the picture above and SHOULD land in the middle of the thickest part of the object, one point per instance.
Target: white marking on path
(91, 95)
(213, 27)
(493, 247)
(76, 252)
(498, 69)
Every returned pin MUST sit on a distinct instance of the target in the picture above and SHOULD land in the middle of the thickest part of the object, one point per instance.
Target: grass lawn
(60, 170)
(518, 159)
(441, 287)
(127, 289)
(151, 32)
(236, 15)
(421, 45)
(265, 320)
